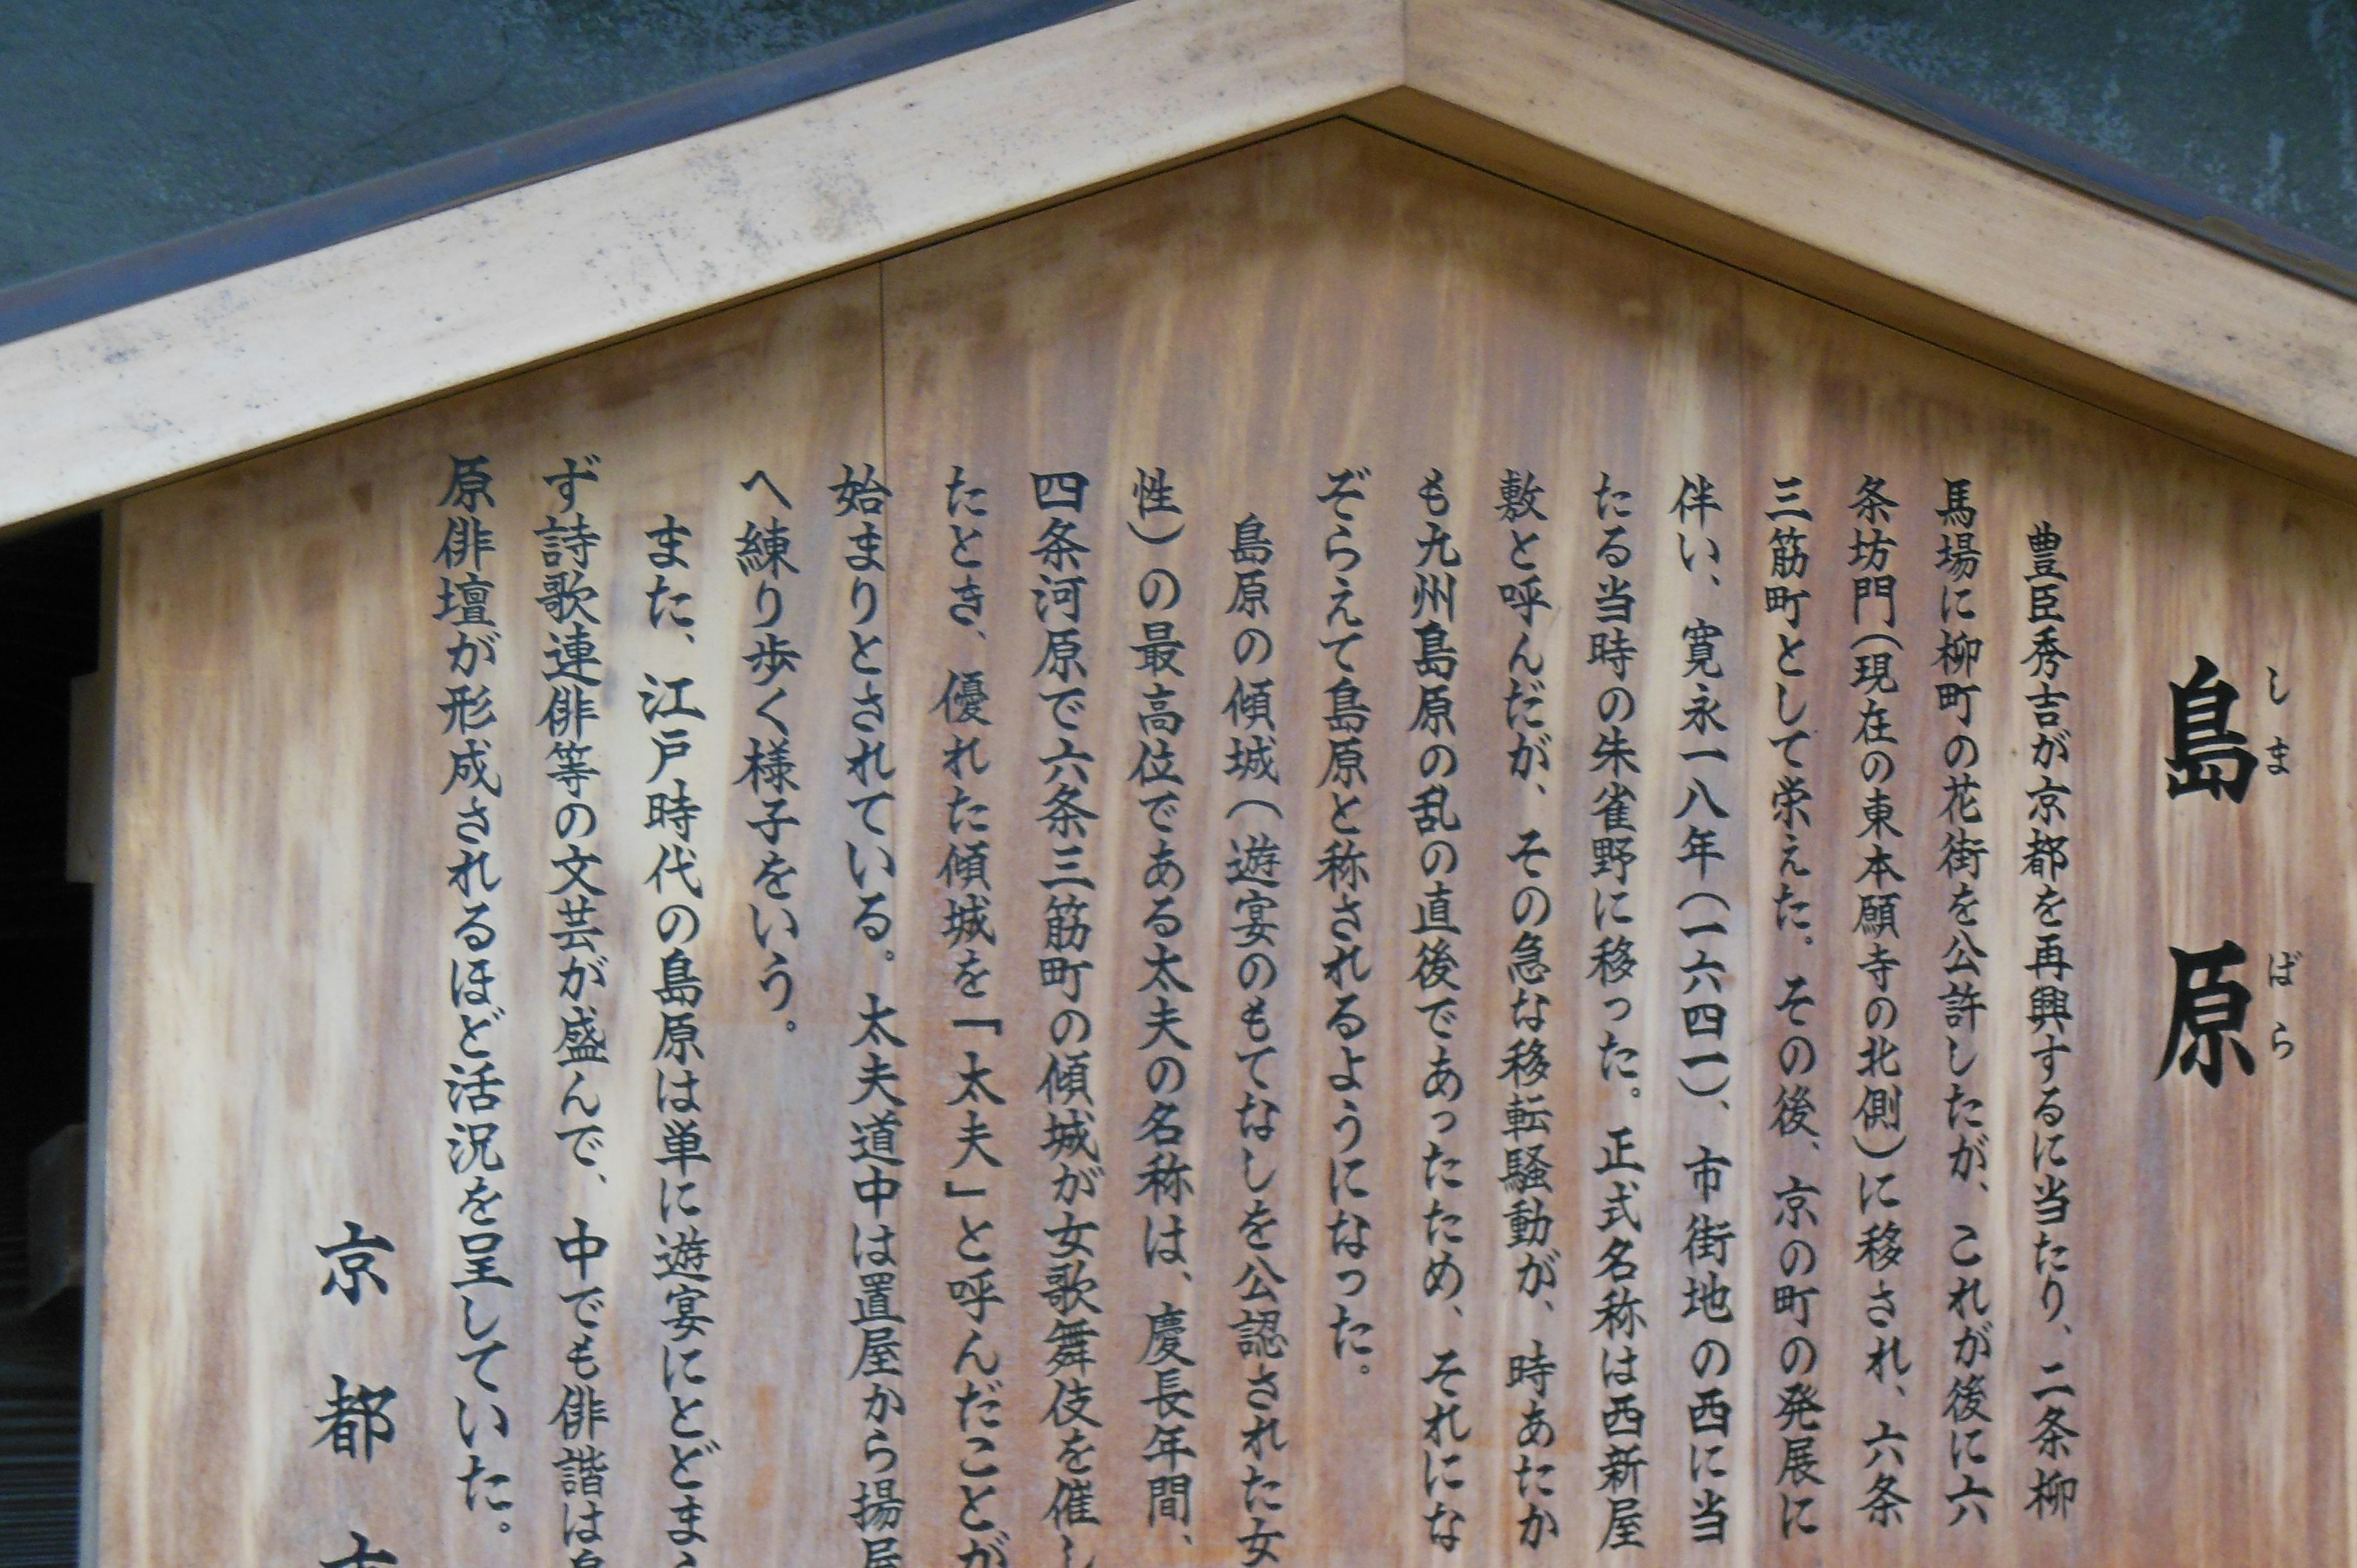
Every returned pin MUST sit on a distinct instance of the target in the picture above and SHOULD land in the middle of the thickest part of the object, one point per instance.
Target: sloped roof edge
(1644, 121)
(314, 223)
(2074, 164)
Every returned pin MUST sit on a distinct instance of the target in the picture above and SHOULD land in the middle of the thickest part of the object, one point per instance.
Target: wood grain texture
(111, 405)
(1832, 197)
(1604, 106)
(1329, 313)
(282, 963)
(2065, 362)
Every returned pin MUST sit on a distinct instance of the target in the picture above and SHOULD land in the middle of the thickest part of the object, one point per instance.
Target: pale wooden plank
(1769, 171)
(1827, 194)
(107, 406)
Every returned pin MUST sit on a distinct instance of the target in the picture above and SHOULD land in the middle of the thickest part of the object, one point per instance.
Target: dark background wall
(127, 121)
(2254, 102)
(49, 635)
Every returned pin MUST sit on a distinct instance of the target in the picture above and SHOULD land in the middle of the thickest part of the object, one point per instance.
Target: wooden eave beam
(1580, 98)
(1613, 110)
(191, 380)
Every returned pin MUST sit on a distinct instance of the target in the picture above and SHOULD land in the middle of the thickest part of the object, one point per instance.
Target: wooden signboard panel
(1315, 862)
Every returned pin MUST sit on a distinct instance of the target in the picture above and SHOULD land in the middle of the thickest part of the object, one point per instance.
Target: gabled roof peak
(1588, 100)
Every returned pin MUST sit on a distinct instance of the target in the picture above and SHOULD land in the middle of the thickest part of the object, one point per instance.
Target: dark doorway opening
(49, 635)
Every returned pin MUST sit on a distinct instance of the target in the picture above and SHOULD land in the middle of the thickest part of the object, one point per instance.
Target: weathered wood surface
(194, 378)
(1832, 198)
(284, 969)
(1602, 105)
(1253, 330)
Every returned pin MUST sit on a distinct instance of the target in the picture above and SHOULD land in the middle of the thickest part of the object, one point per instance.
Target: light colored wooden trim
(126, 400)
(1770, 172)
(1580, 98)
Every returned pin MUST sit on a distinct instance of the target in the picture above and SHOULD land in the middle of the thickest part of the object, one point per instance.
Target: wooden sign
(1313, 863)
